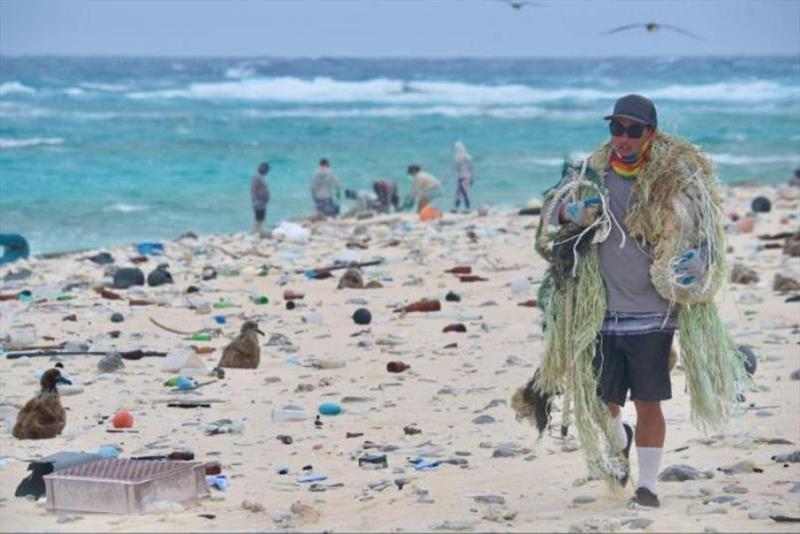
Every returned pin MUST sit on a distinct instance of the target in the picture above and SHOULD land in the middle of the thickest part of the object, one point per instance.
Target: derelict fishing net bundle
(675, 207)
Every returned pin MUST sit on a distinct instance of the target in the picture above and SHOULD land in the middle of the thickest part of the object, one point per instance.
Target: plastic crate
(124, 486)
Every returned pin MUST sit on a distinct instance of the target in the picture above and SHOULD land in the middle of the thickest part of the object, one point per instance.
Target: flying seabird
(519, 4)
(653, 27)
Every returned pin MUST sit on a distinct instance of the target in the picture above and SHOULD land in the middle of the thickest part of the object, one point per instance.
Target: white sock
(619, 434)
(649, 464)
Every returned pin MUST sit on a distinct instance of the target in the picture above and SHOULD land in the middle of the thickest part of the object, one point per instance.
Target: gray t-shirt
(323, 184)
(626, 271)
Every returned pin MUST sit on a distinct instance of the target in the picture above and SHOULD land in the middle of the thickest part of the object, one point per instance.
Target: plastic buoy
(429, 213)
(330, 408)
(761, 205)
(746, 225)
(123, 419)
(362, 316)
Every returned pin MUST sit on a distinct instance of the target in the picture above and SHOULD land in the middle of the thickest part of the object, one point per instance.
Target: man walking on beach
(259, 197)
(323, 186)
(636, 244)
(462, 168)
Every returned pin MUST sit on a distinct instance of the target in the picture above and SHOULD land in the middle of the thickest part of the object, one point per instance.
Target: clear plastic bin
(124, 486)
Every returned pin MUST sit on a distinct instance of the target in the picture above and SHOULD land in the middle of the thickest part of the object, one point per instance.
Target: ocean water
(95, 152)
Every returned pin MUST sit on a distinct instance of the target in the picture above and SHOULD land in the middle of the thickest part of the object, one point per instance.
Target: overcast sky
(410, 28)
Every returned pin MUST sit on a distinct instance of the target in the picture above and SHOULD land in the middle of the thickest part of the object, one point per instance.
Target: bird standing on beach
(43, 417)
(244, 352)
(653, 27)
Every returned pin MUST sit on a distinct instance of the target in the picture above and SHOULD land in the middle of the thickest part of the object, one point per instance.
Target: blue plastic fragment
(312, 477)
(219, 482)
(108, 451)
(421, 464)
(184, 384)
(152, 249)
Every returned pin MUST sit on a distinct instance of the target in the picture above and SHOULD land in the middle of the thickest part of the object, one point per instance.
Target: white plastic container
(124, 486)
(519, 286)
(21, 337)
(291, 413)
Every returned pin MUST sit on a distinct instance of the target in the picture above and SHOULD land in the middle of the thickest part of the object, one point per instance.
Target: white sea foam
(121, 207)
(573, 157)
(74, 91)
(545, 162)
(15, 109)
(237, 73)
(392, 91)
(399, 112)
(8, 88)
(734, 159)
(6, 143)
(107, 87)
(749, 91)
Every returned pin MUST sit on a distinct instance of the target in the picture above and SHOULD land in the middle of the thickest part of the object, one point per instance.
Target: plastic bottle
(290, 413)
(519, 286)
(198, 337)
(315, 318)
(424, 305)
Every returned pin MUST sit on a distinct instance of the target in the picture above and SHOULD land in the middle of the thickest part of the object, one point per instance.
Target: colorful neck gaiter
(629, 166)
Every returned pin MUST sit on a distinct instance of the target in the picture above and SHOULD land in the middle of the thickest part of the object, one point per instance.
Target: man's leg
(423, 201)
(648, 362)
(620, 436)
(259, 216)
(610, 366)
(462, 185)
(650, 431)
(612, 387)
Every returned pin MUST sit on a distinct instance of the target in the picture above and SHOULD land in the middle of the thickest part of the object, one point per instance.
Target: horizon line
(388, 57)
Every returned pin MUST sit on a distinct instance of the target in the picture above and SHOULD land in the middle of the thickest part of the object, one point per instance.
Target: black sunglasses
(634, 131)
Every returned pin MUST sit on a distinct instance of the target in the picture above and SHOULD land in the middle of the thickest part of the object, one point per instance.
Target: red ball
(746, 225)
(122, 419)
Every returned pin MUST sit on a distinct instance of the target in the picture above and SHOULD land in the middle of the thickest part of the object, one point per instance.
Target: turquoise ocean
(102, 151)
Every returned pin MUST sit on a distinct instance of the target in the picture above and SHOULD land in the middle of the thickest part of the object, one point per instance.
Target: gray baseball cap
(636, 108)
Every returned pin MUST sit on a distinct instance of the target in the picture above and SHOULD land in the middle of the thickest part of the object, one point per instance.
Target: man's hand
(690, 266)
(583, 212)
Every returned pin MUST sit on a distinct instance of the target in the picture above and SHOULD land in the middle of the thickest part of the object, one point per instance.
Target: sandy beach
(493, 473)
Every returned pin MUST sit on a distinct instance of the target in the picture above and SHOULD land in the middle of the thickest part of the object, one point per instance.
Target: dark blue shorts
(638, 363)
(327, 207)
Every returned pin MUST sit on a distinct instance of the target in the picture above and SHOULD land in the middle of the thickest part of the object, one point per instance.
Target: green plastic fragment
(198, 337)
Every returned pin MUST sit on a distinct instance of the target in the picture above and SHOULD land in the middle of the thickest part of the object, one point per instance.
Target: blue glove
(690, 266)
(583, 212)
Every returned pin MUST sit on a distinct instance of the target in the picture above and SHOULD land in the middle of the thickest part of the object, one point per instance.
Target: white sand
(442, 393)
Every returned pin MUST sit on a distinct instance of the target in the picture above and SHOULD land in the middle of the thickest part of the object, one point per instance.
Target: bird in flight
(653, 27)
(519, 4)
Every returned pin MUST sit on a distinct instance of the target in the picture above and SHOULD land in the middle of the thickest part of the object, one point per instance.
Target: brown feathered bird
(43, 417)
(244, 352)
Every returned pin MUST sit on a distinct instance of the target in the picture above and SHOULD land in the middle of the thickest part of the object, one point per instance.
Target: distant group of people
(326, 191)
